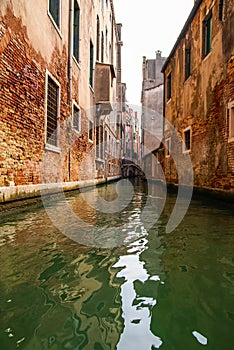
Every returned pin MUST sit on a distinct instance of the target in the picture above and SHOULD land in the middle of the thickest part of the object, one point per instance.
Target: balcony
(104, 75)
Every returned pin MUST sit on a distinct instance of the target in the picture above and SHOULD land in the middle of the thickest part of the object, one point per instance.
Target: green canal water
(148, 290)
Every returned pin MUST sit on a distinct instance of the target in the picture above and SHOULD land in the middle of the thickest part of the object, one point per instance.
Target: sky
(147, 26)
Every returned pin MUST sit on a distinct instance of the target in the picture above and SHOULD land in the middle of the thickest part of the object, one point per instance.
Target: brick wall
(23, 159)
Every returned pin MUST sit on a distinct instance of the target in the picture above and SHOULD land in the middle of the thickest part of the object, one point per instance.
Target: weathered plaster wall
(200, 102)
(30, 45)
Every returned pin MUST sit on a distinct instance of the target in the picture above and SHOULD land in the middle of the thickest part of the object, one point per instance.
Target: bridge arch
(132, 170)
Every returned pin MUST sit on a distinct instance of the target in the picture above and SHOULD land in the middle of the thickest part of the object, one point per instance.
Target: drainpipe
(70, 49)
(70, 54)
(164, 114)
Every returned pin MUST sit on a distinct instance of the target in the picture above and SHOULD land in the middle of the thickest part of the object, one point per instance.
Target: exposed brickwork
(23, 159)
(21, 106)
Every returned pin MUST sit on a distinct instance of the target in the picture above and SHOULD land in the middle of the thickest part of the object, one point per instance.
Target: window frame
(169, 86)
(230, 121)
(106, 40)
(91, 65)
(56, 25)
(76, 55)
(168, 147)
(102, 46)
(187, 62)
(75, 105)
(50, 146)
(221, 10)
(185, 149)
(207, 28)
(90, 131)
(98, 35)
(101, 138)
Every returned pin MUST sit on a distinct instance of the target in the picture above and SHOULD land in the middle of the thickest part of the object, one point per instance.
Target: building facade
(152, 113)
(199, 96)
(132, 131)
(60, 64)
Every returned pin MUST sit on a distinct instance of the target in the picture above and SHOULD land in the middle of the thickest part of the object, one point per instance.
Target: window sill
(100, 160)
(51, 148)
(55, 25)
(91, 88)
(186, 80)
(187, 151)
(76, 62)
(168, 101)
(204, 58)
(78, 132)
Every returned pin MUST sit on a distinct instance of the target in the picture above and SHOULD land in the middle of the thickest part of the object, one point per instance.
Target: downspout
(70, 50)
(70, 54)
(164, 115)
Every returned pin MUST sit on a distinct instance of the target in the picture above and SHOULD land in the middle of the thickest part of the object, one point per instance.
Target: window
(52, 112)
(106, 40)
(169, 86)
(90, 130)
(168, 147)
(105, 146)
(187, 140)
(207, 35)
(54, 10)
(230, 121)
(221, 10)
(102, 48)
(76, 118)
(91, 65)
(98, 38)
(76, 31)
(187, 62)
(110, 59)
(101, 142)
(97, 141)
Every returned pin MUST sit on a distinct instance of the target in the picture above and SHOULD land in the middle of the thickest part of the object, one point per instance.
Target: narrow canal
(145, 289)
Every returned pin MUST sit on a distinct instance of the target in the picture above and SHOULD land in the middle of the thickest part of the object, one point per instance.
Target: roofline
(114, 20)
(182, 33)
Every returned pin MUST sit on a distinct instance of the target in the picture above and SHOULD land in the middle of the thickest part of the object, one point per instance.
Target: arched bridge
(131, 169)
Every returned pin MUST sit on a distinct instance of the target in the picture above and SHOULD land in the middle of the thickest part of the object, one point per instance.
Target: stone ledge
(216, 193)
(16, 193)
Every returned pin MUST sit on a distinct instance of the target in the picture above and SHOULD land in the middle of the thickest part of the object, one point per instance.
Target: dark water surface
(149, 290)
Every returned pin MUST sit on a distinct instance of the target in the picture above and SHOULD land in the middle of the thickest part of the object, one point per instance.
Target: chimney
(158, 54)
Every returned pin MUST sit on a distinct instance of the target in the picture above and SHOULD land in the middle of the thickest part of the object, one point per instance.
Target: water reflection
(136, 309)
(100, 217)
(155, 291)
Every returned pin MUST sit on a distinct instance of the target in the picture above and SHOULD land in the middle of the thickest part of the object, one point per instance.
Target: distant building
(152, 110)
(152, 83)
(132, 135)
(199, 95)
(60, 72)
